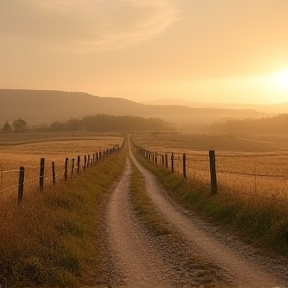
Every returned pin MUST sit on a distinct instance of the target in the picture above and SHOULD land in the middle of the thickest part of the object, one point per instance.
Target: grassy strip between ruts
(49, 240)
(262, 223)
(143, 205)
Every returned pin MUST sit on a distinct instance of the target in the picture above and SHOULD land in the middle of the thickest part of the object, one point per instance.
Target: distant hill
(39, 106)
(268, 108)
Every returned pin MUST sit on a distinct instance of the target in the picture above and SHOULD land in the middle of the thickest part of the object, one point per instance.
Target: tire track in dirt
(245, 272)
(133, 256)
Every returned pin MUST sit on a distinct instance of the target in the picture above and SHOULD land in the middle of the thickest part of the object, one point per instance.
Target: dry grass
(52, 239)
(20, 150)
(218, 142)
(248, 173)
(258, 219)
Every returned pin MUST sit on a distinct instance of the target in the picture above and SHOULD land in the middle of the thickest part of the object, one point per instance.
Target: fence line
(216, 167)
(69, 167)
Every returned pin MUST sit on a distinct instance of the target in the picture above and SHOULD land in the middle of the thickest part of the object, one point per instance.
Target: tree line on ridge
(94, 123)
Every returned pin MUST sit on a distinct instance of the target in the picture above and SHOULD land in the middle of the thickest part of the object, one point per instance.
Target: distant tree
(7, 127)
(74, 125)
(58, 126)
(19, 125)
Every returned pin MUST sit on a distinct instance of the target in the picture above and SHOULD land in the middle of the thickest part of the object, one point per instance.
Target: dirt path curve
(245, 272)
(131, 251)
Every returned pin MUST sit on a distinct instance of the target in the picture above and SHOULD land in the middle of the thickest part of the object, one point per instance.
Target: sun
(281, 80)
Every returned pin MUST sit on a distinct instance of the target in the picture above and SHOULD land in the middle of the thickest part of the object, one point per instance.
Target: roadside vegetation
(50, 239)
(259, 221)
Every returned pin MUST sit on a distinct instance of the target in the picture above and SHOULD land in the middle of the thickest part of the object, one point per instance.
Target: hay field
(26, 150)
(250, 166)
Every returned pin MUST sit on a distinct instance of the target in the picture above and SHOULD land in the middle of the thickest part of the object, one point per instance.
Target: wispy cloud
(87, 24)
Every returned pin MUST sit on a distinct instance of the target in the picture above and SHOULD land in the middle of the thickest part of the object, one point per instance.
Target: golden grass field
(253, 166)
(26, 150)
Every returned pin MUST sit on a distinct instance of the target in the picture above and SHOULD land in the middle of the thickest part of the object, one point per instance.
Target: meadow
(254, 166)
(27, 149)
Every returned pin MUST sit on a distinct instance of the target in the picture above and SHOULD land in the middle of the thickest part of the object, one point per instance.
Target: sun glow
(281, 80)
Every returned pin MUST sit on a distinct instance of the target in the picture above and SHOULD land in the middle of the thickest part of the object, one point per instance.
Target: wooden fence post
(41, 173)
(21, 184)
(85, 162)
(88, 161)
(97, 158)
(166, 160)
(162, 160)
(100, 156)
(184, 165)
(213, 175)
(53, 173)
(172, 162)
(78, 165)
(72, 167)
(66, 169)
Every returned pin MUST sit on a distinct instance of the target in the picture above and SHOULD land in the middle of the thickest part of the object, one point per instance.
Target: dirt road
(142, 262)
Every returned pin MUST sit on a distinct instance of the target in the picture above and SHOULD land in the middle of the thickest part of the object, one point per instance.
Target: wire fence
(261, 175)
(13, 181)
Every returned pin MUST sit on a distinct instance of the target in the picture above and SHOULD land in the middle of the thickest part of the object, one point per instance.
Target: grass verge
(49, 240)
(263, 223)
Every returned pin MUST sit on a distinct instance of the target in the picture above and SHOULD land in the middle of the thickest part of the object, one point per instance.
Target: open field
(219, 142)
(251, 166)
(26, 150)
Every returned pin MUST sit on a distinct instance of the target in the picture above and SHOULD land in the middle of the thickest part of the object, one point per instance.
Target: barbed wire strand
(31, 180)
(8, 171)
(2, 191)
(251, 174)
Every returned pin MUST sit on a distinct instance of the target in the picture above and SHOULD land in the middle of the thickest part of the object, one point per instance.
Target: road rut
(133, 254)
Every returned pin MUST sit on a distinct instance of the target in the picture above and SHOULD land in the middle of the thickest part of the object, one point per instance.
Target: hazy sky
(199, 50)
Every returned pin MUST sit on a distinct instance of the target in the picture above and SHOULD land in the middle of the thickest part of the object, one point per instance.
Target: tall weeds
(49, 239)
